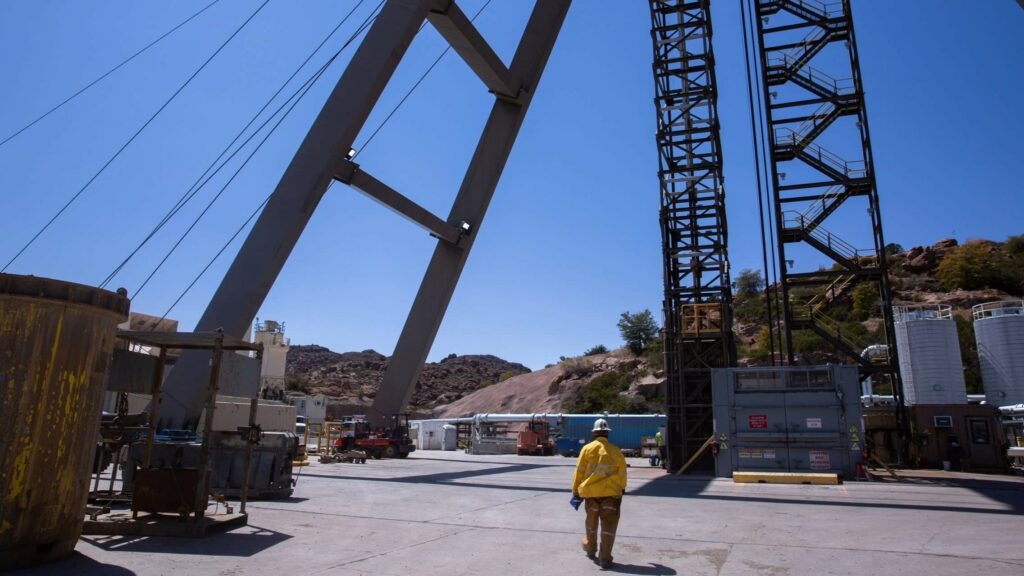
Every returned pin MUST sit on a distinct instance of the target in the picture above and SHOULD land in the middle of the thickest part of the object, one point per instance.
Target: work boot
(605, 564)
(591, 555)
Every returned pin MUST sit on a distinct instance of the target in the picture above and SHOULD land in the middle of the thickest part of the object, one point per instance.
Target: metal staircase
(804, 97)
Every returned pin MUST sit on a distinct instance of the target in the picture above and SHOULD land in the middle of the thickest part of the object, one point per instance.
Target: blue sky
(571, 239)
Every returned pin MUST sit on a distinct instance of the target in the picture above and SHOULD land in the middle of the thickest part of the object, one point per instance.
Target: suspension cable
(134, 136)
(17, 132)
(301, 93)
(211, 171)
(757, 167)
(783, 328)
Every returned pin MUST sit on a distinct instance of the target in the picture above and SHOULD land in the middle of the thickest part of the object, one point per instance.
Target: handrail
(826, 10)
(1001, 308)
(922, 312)
(819, 233)
(849, 168)
(817, 208)
(834, 289)
(839, 86)
(831, 326)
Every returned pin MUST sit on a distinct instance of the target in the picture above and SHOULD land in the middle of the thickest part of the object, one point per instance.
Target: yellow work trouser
(606, 511)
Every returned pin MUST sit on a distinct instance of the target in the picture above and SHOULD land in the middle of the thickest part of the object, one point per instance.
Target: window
(979, 431)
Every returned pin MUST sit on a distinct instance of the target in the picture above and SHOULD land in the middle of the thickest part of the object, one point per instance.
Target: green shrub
(576, 368)
(865, 301)
(297, 383)
(977, 265)
(602, 394)
(599, 349)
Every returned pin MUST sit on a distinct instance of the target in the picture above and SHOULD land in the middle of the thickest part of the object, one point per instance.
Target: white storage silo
(929, 353)
(999, 332)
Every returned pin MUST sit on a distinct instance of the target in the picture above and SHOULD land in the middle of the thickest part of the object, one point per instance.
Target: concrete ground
(450, 513)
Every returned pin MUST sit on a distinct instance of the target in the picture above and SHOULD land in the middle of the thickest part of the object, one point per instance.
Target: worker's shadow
(651, 569)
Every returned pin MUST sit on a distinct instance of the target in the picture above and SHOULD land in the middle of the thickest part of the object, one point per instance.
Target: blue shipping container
(627, 429)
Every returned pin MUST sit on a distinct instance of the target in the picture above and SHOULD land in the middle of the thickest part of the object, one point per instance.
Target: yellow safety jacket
(600, 470)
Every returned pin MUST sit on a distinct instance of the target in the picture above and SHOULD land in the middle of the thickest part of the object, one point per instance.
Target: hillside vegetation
(629, 380)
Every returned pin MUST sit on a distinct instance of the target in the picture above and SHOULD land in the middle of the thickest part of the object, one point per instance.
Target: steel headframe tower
(324, 156)
(698, 296)
(805, 108)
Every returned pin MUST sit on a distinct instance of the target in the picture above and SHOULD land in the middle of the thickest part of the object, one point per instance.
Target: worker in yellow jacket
(600, 479)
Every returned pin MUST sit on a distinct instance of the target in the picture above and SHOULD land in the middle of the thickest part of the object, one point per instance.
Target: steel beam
(349, 173)
(459, 31)
(258, 263)
(474, 196)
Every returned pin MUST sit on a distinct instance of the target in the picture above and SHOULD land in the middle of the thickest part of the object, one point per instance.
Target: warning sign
(755, 421)
(757, 453)
(814, 422)
(820, 459)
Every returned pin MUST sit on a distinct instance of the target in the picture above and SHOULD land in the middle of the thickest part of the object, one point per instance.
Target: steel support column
(258, 263)
(698, 296)
(470, 206)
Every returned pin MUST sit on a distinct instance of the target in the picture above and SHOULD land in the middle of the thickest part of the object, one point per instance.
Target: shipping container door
(760, 421)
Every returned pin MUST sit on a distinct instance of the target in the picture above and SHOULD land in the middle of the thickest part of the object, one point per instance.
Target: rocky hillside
(943, 273)
(351, 379)
(616, 381)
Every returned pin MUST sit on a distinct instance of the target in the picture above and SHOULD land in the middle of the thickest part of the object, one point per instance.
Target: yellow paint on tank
(51, 334)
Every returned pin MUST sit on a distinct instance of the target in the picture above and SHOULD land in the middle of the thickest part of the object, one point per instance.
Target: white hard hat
(601, 425)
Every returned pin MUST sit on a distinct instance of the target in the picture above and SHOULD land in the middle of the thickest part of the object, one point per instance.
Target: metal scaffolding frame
(325, 155)
(697, 331)
(803, 106)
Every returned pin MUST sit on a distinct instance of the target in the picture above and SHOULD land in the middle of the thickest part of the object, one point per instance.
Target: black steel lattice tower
(698, 298)
(819, 152)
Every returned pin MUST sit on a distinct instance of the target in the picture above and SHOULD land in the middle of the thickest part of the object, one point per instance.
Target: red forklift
(388, 441)
(536, 440)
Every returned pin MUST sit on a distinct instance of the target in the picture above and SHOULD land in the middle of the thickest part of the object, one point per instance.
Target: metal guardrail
(922, 312)
(1001, 308)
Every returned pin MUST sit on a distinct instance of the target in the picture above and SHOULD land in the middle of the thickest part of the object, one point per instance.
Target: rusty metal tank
(56, 340)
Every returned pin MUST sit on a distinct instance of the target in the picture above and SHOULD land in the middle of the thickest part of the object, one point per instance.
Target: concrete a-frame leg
(255, 268)
(470, 206)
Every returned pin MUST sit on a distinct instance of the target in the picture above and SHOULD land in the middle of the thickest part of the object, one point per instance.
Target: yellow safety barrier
(784, 478)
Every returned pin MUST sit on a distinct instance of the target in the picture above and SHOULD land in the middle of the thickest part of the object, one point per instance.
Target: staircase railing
(829, 325)
(791, 65)
(832, 196)
(849, 168)
(793, 220)
(831, 292)
(822, 9)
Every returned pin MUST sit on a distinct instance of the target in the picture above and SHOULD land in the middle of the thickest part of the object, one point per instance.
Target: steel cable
(15, 134)
(134, 136)
(757, 167)
(210, 171)
(307, 86)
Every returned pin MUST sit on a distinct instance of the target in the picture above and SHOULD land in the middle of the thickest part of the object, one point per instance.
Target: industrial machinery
(389, 441)
(795, 105)
(535, 440)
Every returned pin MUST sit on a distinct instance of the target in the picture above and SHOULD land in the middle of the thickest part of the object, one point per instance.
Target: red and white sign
(820, 459)
(814, 422)
(757, 421)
